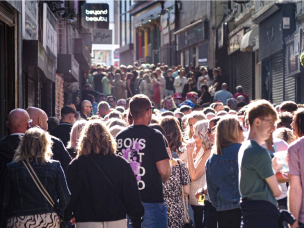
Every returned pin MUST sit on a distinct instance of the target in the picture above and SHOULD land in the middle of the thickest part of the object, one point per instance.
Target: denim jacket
(22, 197)
(222, 176)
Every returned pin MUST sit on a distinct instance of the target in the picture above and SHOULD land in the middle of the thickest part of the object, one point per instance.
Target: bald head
(86, 107)
(39, 117)
(18, 121)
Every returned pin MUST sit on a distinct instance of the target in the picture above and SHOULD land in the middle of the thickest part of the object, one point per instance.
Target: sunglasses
(152, 108)
(89, 106)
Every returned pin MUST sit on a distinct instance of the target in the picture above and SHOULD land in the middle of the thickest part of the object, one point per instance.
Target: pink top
(296, 166)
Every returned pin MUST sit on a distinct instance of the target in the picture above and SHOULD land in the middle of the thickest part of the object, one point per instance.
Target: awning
(187, 27)
(247, 42)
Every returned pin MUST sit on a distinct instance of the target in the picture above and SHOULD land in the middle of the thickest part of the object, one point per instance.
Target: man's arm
(295, 197)
(164, 169)
(274, 185)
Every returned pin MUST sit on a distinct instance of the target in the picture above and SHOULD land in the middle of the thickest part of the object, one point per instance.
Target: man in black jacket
(18, 122)
(60, 153)
(63, 130)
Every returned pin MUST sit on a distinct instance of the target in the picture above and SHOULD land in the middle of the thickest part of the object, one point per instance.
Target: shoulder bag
(112, 186)
(42, 189)
(188, 222)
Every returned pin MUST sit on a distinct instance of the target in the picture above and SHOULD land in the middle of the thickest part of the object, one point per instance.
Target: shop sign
(192, 36)
(116, 54)
(29, 20)
(286, 23)
(235, 42)
(102, 36)
(95, 15)
(49, 31)
(220, 36)
(270, 36)
(292, 55)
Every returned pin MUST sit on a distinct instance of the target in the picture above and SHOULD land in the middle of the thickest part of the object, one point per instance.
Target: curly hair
(36, 144)
(75, 133)
(199, 130)
(173, 132)
(96, 138)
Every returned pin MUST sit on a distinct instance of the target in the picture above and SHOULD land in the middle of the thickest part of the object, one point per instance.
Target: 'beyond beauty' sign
(96, 15)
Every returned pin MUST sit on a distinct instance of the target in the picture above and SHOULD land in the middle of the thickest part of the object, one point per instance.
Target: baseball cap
(178, 96)
(191, 95)
(187, 102)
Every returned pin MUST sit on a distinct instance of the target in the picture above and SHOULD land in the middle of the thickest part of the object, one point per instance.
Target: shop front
(275, 24)
(191, 43)
(241, 64)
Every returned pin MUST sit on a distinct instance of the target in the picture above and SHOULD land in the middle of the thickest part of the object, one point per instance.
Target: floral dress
(173, 195)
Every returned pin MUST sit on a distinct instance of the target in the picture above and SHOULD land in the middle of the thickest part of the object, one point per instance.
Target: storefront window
(300, 7)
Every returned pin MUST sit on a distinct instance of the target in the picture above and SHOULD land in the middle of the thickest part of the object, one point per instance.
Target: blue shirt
(222, 175)
(222, 96)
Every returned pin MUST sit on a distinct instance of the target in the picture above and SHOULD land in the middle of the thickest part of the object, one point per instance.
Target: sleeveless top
(200, 182)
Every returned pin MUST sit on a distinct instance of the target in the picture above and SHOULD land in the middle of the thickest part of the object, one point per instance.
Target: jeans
(210, 218)
(229, 219)
(155, 216)
(198, 216)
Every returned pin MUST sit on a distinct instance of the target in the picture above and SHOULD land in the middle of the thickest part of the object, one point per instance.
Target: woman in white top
(198, 152)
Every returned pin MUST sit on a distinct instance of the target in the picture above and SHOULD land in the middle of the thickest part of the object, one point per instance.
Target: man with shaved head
(18, 122)
(86, 109)
(40, 118)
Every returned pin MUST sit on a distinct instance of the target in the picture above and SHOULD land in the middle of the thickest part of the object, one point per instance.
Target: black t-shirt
(169, 83)
(220, 81)
(62, 131)
(143, 147)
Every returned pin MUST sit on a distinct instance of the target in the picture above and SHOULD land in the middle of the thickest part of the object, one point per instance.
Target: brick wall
(59, 95)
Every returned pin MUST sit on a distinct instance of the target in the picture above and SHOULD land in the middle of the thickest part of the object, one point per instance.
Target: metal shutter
(244, 71)
(7, 14)
(277, 69)
(290, 86)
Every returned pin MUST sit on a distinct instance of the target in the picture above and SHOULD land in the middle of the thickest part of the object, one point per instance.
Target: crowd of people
(160, 81)
(150, 155)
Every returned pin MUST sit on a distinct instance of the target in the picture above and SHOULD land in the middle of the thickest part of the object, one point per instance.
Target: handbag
(42, 189)
(188, 222)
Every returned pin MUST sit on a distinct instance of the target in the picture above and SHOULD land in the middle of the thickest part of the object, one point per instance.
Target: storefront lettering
(96, 13)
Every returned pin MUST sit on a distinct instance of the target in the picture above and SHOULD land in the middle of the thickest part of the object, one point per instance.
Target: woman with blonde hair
(198, 152)
(222, 172)
(24, 202)
(192, 119)
(74, 137)
(102, 183)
